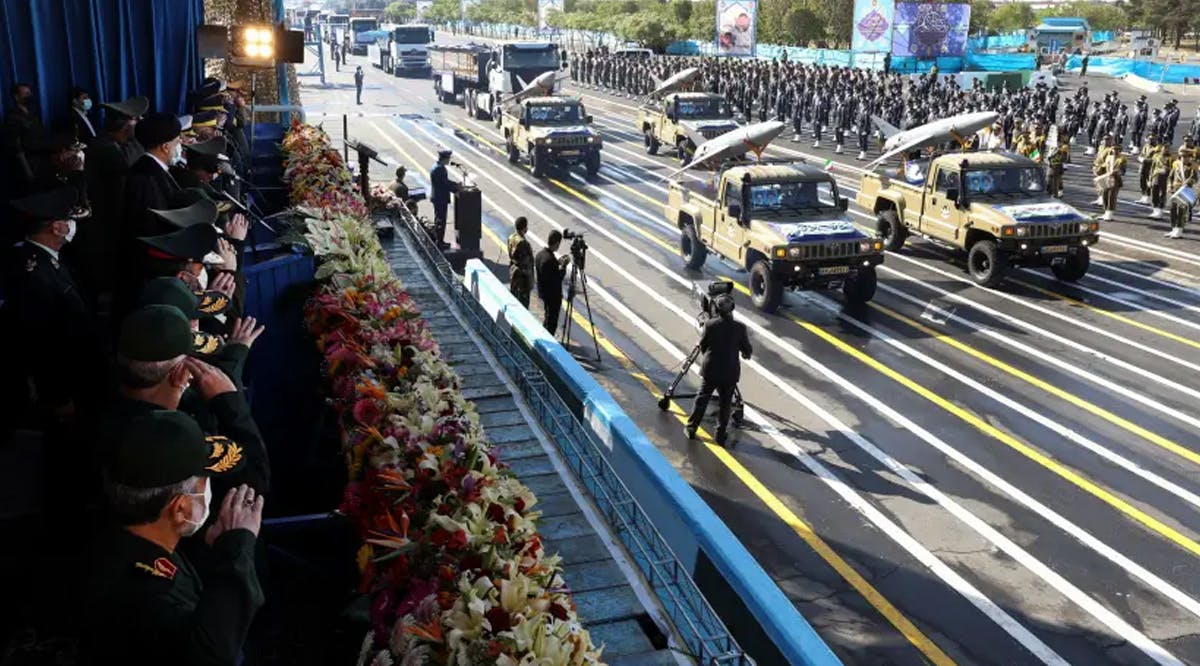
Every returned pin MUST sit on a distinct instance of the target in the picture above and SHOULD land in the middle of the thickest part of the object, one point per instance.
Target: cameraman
(720, 369)
(550, 273)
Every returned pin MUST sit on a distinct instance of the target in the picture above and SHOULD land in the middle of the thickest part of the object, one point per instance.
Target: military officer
(441, 187)
(1055, 165)
(201, 162)
(1108, 169)
(1183, 174)
(144, 601)
(1159, 171)
(520, 262)
(1151, 148)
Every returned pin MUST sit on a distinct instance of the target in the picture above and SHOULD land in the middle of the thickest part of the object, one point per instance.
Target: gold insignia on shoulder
(162, 568)
(205, 343)
(225, 452)
(211, 302)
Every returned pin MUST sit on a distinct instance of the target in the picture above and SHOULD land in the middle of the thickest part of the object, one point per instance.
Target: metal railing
(703, 633)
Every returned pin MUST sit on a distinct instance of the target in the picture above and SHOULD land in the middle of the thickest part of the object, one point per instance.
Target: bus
(359, 29)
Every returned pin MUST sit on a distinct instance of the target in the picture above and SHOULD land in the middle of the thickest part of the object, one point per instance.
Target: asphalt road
(949, 475)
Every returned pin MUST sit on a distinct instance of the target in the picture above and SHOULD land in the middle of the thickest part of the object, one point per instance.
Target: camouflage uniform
(520, 268)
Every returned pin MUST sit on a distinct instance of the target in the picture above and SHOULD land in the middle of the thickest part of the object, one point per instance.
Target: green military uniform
(1055, 165)
(1109, 168)
(146, 604)
(520, 268)
(1147, 165)
(1159, 170)
(1183, 174)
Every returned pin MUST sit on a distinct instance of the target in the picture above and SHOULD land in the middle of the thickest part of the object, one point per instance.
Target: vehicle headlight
(1022, 231)
(865, 246)
(591, 139)
(1094, 226)
(878, 245)
(1008, 231)
(539, 140)
(793, 253)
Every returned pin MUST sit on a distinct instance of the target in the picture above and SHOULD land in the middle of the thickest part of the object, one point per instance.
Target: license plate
(569, 153)
(1054, 249)
(833, 270)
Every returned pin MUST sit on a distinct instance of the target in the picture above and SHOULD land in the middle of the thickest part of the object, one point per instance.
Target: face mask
(87, 105)
(195, 525)
(70, 231)
(177, 153)
(202, 279)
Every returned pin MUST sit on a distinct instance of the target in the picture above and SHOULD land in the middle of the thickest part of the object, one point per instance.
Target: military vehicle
(550, 132)
(683, 120)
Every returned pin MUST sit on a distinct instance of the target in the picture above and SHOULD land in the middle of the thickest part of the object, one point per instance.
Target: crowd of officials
(838, 105)
(122, 299)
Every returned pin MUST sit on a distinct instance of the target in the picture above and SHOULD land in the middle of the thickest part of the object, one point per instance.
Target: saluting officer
(520, 263)
(145, 602)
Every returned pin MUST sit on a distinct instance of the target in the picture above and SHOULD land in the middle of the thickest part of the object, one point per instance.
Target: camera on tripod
(578, 245)
(707, 295)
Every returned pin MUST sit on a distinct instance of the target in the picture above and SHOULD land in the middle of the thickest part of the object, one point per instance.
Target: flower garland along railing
(450, 554)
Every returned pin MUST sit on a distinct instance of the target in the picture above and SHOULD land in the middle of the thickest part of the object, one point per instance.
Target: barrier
(1145, 69)
(761, 618)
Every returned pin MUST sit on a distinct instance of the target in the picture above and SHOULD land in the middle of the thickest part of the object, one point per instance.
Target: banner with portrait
(927, 31)
(737, 24)
(544, 9)
(873, 26)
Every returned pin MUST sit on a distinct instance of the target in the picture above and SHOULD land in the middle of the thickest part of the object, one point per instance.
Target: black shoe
(722, 436)
(690, 432)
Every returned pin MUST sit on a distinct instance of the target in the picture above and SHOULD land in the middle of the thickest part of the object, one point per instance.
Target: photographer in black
(720, 369)
(550, 273)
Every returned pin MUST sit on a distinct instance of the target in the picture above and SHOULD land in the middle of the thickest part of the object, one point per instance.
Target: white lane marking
(1153, 268)
(1102, 614)
(1144, 292)
(950, 577)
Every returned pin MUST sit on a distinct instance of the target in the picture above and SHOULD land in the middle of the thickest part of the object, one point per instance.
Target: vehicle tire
(651, 143)
(537, 164)
(469, 103)
(437, 89)
(496, 113)
(891, 230)
(514, 155)
(860, 288)
(682, 152)
(986, 264)
(691, 249)
(593, 164)
(1075, 266)
(766, 289)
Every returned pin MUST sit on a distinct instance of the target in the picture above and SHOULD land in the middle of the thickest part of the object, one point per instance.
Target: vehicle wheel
(986, 263)
(651, 143)
(537, 164)
(496, 112)
(1074, 267)
(437, 89)
(891, 230)
(514, 155)
(860, 288)
(766, 290)
(691, 249)
(593, 164)
(682, 152)
(469, 103)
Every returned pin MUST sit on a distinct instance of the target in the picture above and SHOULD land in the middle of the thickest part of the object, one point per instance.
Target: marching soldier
(1055, 164)
(1160, 167)
(1183, 175)
(1109, 168)
(1147, 158)
(520, 263)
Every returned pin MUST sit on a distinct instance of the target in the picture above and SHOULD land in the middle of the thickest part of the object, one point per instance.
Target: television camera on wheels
(711, 297)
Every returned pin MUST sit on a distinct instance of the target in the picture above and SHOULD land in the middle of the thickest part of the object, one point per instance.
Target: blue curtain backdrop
(114, 49)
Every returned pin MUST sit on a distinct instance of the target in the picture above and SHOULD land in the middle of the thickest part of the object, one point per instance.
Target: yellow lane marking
(1063, 471)
(1134, 428)
(1108, 313)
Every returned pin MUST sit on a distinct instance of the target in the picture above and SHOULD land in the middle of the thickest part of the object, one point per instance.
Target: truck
(993, 207)
(409, 46)
(485, 75)
(361, 37)
(550, 132)
(684, 120)
(784, 223)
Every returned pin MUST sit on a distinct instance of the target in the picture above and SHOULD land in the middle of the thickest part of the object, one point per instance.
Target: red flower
(558, 611)
(498, 618)
(367, 412)
(495, 513)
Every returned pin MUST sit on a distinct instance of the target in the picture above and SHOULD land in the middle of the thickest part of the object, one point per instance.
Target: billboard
(873, 26)
(929, 31)
(544, 8)
(737, 23)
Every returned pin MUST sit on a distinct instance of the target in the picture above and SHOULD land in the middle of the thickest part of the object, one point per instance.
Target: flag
(828, 165)
(1035, 155)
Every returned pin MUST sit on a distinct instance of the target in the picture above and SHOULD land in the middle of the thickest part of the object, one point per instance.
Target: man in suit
(723, 340)
(81, 106)
(442, 186)
(550, 273)
(106, 162)
(148, 186)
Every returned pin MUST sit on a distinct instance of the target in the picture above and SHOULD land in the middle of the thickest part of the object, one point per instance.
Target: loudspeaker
(468, 219)
(212, 41)
(289, 46)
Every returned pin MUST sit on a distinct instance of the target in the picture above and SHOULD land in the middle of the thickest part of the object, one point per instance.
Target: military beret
(155, 333)
(157, 129)
(50, 205)
(134, 107)
(202, 211)
(191, 243)
(166, 447)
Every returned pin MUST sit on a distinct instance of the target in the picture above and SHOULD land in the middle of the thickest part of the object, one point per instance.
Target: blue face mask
(87, 105)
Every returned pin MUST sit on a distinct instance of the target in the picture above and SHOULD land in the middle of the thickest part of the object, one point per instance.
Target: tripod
(578, 278)
(665, 401)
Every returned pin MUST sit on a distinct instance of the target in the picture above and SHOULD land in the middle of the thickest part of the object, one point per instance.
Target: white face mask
(177, 153)
(195, 525)
(87, 105)
(70, 231)
(202, 278)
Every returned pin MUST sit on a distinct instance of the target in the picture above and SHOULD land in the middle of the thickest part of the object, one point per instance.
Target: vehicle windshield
(414, 35)
(793, 196)
(556, 114)
(1008, 181)
(339, 20)
(543, 58)
(701, 108)
(362, 25)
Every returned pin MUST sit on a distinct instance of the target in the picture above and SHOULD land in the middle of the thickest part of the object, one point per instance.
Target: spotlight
(252, 46)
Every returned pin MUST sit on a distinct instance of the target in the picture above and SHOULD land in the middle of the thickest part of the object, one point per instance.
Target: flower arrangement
(451, 554)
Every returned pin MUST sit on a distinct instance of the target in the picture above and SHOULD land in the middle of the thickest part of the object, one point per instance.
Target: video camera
(706, 294)
(578, 246)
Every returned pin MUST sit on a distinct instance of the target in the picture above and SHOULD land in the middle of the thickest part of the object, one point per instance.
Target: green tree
(444, 11)
(1012, 16)
(400, 12)
(981, 12)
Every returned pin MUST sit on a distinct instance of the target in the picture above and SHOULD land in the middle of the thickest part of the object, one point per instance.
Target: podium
(468, 219)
